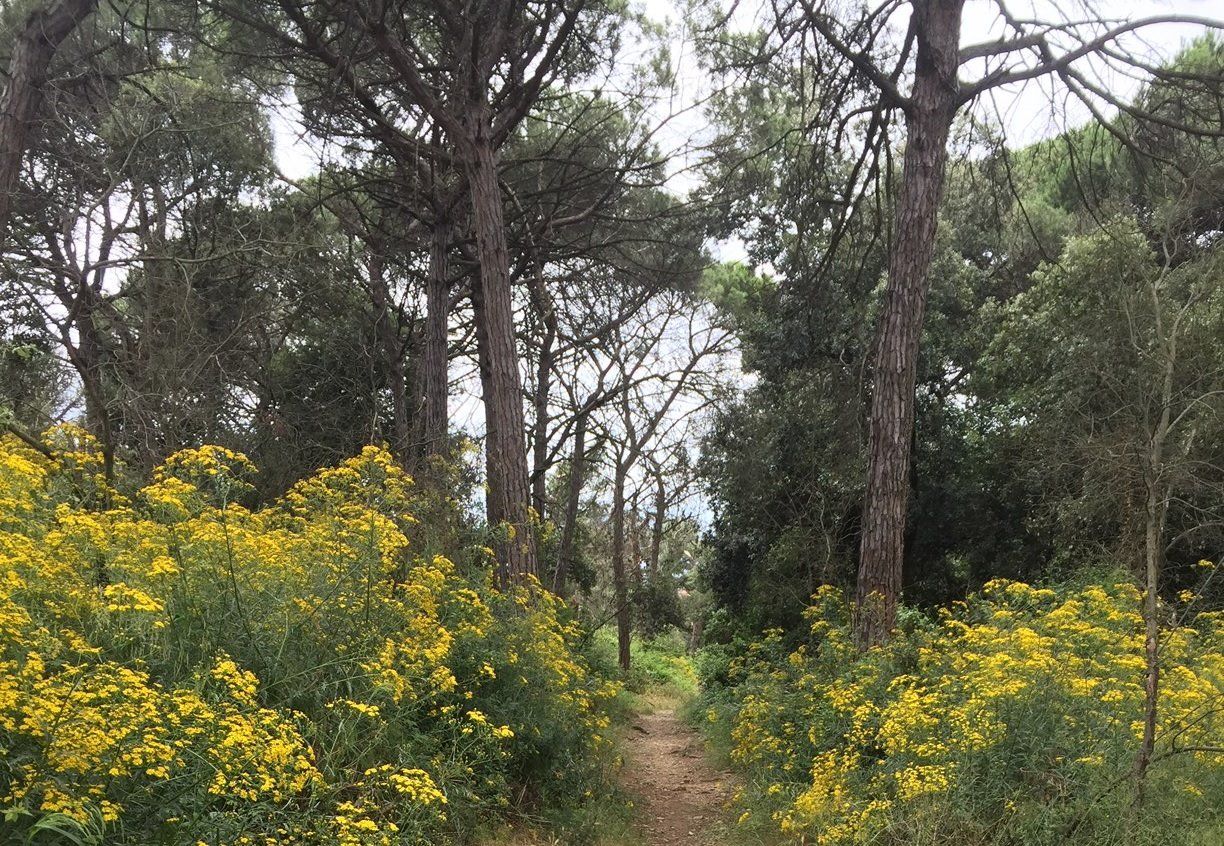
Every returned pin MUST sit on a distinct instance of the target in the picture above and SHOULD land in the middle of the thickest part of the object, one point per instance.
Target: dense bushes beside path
(176, 668)
(1015, 718)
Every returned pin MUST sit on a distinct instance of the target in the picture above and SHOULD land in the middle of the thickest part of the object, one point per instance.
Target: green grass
(660, 677)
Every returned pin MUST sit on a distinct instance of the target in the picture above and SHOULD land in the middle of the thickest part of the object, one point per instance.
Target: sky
(1040, 109)
(1027, 112)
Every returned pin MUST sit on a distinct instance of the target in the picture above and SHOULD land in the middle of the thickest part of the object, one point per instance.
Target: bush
(178, 668)
(1013, 719)
(661, 662)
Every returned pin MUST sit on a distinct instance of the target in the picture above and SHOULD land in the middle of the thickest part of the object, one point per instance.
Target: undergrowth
(1013, 718)
(179, 668)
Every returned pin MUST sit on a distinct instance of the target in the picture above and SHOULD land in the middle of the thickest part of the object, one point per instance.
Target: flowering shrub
(178, 668)
(1016, 718)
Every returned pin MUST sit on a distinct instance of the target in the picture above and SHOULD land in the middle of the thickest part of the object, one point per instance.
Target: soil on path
(681, 795)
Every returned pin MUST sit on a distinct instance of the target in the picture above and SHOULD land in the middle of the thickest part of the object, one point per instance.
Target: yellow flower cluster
(416, 784)
(1021, 702)
(177, 667)
(94, 726)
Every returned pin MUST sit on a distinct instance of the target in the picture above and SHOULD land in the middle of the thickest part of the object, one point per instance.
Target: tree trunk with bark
(1156, 508)
(929, 116)
(391, 349)
(1153, 552)
(660, 514)
(38, 39)
(86, 356)
(573, 500)
(695, 633)
(431, 416)
(543, 387)
(508, 496)
(620, 582)
(634, 529)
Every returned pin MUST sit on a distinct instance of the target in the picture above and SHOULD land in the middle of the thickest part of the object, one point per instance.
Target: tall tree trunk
(508, 497)
(660, 514)
(40, 36)
(392, 353)
(432, 418)
(1156, 506)
(573, 500)
(695, 633)
(1153, 553)
(928, 123)
(543, 387)
(620, 583)
(86, 357)
(634, 528)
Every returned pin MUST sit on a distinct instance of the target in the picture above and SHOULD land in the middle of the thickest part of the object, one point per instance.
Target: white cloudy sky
(1040, 109)
(1027, 112)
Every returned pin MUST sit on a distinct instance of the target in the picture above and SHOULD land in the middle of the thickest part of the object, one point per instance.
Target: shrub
(1013, 719)
(179, 668)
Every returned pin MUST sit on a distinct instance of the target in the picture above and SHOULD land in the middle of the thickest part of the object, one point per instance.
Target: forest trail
(681, 794)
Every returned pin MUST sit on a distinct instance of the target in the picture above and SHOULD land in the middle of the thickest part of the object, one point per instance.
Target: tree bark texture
(634, 529)
(695, 633)
(508, 496)
(543, 387)
(1156, 509)
(40, 36)
(620, 582)
(430, 440)
(929, 115)
(1153, 553)
(392, 352)
(573, 500)
(86, 357)
(660, 515)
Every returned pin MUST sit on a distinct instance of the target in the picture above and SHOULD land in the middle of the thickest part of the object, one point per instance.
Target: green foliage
(734, 289)
(661, 674)
(1084, 363)
(30, 378)
(1037, 365)
(1015, 717)
(181, 669)
(656, 606)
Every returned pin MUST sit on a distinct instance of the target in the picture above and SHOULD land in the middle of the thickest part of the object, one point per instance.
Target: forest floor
(680, 793)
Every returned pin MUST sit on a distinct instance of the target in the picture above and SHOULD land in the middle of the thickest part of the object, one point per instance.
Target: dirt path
(680, 793)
